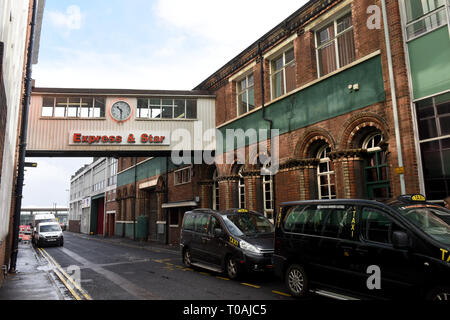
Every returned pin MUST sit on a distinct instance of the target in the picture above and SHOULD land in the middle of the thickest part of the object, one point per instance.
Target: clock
(120, 111)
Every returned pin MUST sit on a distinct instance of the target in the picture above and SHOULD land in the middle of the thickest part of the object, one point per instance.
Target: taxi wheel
(297, 281)
(232, 268)
(187, 258)
(439, 294)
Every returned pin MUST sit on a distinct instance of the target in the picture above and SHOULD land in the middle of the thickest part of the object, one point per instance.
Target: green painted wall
(324, 100)
(430, 63)
(150, 168)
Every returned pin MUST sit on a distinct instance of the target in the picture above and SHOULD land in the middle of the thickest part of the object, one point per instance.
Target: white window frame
(241, 188)
(216, 192)
(326, 174)
(246, 90)
(280, 53)
(407, 24)
(267, 181)
(334, 39)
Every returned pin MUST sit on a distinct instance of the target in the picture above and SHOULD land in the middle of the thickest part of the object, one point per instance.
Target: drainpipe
(394, 97)
(263, 108)
(23, 144)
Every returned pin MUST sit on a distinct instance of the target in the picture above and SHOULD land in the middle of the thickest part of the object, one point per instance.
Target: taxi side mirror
(400, 240)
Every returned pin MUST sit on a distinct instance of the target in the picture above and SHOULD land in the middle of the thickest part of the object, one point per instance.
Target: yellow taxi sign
(242, 210)
(418, 197)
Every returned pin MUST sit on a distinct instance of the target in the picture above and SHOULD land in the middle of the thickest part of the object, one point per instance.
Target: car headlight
(249, 247)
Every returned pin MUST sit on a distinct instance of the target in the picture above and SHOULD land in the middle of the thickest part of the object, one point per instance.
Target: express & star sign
(140, 138)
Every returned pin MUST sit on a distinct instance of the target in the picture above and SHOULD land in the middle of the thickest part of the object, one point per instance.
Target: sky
(137, 44)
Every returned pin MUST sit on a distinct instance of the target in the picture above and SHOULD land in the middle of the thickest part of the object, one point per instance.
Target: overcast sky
(137, 44)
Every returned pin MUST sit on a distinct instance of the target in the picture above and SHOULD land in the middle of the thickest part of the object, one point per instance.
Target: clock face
(120, 110)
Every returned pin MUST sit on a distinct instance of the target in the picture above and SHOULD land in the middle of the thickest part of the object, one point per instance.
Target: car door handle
(362, 251)
(347, 248)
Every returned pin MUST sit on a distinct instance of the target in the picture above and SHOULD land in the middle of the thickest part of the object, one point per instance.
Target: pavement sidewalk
(33, 280)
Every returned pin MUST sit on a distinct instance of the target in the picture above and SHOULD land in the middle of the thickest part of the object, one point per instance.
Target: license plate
(51, 240)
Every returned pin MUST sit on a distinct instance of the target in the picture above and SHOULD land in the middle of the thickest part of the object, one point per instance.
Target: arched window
(241, 188)
(376, 168)
(216, 198)
(325, 174)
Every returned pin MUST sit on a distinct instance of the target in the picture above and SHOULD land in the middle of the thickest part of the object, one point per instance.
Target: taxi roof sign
(413, 198)
(242, 210)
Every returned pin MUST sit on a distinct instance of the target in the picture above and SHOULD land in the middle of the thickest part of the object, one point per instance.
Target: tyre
(297, 281)
(439, 294)
(232, 268)
(187, 259)
(61, 243)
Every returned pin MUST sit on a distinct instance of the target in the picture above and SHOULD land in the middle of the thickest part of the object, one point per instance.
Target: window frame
(326, 174)
(407, 24)
(281, 53)
(151, 106)
(68, 104)
(176, 172)
(241, 188)
(332, 21)
(246, 91)
(216, 191)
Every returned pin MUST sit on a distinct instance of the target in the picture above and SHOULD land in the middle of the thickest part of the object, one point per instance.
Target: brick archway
(302, 149)
(361, 122)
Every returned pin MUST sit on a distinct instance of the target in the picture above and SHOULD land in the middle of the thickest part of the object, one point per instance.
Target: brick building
(322, 79)
(15, 37)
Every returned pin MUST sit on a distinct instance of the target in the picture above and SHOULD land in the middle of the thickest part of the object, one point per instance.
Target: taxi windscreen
(427, 219)
(247, 224)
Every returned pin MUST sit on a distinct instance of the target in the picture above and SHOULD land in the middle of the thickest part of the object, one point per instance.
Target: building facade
(425, 27)
(92, 202)
(321, 78)
(15, 17)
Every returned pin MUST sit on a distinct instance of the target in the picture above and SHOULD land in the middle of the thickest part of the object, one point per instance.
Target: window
(73, 107)
(267, 181)
(283, 73)
(325, 174)
(201, 223)
(154, 108)
(246, 95)
(376, 168)
(112, 180)
(423, 16)
(182, 176)
(335, 45)
(241, 188)
(433, 118)
(377, 227)
(216, 197)
(213, 224)
(189, 222)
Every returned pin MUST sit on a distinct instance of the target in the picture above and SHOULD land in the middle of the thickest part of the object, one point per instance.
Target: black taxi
(364, 249)
(231, 241)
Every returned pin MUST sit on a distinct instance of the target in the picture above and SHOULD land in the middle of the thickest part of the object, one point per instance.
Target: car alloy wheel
(442, 296)
(296, 280)
(187, 258)
(232, 268)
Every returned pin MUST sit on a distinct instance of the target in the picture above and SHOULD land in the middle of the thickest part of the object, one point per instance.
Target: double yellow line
(77, 292)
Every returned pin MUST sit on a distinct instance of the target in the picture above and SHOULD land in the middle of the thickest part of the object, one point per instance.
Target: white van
(48, 233)
(38, 218)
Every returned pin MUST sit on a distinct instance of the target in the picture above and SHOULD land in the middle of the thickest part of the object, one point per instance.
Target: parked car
(364, 249)
(48, 233)
(232, 241)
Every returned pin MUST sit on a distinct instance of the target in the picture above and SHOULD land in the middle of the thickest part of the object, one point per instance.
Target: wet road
(110, 271)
